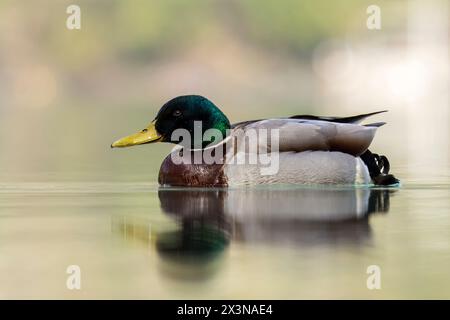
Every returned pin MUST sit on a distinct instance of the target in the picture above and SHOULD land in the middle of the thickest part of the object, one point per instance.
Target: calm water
(135, 240)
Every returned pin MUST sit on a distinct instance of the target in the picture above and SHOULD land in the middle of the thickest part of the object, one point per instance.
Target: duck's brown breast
(191, 175)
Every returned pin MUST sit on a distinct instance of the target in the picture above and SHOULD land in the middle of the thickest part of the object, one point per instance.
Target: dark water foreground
(140, 241)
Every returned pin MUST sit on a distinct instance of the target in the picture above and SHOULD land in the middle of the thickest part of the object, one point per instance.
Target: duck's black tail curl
(378, 169)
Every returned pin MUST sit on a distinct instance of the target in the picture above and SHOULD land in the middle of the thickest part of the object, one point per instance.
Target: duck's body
(307, 167)
(297, 150)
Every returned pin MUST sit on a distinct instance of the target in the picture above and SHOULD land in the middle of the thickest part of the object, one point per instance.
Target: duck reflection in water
(209, 219)
(204, 228)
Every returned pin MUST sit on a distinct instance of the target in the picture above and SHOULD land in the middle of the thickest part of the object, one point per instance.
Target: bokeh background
(67, 198)
(66, 94)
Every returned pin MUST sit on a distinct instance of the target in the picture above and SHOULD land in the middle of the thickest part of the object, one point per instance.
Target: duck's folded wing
(352, 119)
(303, 135)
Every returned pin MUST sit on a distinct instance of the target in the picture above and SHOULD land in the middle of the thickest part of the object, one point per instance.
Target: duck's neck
(214, 130)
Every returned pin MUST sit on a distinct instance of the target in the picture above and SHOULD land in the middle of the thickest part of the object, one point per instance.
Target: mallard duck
(307, 149)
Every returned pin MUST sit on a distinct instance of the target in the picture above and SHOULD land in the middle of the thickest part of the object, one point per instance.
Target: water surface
(136, 240)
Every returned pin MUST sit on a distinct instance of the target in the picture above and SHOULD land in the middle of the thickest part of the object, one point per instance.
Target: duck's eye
(144, 130)
(177, 113)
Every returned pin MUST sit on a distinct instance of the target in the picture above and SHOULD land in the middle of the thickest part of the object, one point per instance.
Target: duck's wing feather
(303, 134)
(352, 119)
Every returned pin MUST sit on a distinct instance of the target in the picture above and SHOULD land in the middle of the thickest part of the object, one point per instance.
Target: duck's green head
(184, 112)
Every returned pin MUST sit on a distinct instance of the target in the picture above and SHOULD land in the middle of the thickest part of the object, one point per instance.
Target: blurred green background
(65, 95)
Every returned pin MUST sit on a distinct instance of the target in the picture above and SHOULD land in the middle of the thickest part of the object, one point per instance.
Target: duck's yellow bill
(147, 135)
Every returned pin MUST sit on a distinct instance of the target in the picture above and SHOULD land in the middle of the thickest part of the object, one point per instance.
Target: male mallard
(309, 149)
